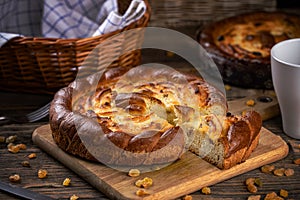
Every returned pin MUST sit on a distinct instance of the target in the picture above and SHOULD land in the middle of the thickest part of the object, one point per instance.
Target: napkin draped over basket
(46, 58)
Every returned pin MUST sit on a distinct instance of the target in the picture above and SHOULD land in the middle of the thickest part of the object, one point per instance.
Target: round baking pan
(250, 70)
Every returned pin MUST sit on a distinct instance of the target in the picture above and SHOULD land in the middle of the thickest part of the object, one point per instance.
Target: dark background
(288, 3)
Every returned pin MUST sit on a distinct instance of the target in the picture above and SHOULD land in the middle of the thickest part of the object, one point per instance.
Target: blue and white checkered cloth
(64, 18)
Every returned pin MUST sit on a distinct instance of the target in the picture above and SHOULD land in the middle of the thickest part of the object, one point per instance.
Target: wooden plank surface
(185, 176)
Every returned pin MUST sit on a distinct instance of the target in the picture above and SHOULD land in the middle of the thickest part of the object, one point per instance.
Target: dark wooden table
(19, 103)
(11, 163)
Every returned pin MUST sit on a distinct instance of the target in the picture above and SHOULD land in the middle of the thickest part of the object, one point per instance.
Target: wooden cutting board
(265, 101)
(182, 177)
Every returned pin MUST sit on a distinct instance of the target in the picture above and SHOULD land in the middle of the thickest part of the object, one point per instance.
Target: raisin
(42, 173)
(144, 183)
(74, 197)
(297, 161)
(289, 172)
(134, 172)
(256, 53)
(252, 188)
(206, 190)
(25, 163)
(228, 114)
(32, 155)
(250, 181)
(221, 38)
(141, 192)
(257, 24)
(279, 172)
(66, 182)
(15, 178)
(258, 182)
(267, 168)
(187, 197)
(254, 197)
(284, 193)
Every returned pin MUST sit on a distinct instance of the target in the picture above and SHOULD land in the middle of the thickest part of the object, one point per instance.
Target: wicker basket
(43, 65)
(182, 13)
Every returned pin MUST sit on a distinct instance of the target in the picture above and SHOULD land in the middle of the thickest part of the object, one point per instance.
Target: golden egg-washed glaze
(148, 115)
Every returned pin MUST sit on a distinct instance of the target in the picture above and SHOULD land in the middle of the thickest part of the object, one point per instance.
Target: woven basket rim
(42, 65)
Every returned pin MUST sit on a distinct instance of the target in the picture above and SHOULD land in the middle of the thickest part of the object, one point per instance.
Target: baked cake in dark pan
(240, 45)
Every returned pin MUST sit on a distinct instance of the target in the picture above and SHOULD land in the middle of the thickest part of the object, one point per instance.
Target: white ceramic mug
(285, 65)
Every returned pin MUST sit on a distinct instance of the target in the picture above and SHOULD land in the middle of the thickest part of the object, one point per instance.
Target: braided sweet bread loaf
(150, 115)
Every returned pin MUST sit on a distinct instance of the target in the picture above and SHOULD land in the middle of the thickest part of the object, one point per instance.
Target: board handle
(266, 105)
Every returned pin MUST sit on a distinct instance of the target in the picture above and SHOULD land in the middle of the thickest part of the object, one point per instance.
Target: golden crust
(146, 120)
(242, 138)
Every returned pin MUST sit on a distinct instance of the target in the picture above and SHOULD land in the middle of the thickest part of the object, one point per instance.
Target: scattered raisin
(10, 145)
(283, 193)
(206, 190)
(134, 172)
(289, 172)
(297, 161)
(2, 139)
(187, 197)
(254, 197)
(249, 181)
(42, 173)
(25, 163)
(13, 148)
(250, 102)
(252, 188)
(74, 197)
(66, 182)
(15, 178)
(252, 183)
(279, 172)
(267, 168)
(11, 139)
(22, 146)
(258, 182)
(144, 183)
(272, 196)
(141, 192)
(32, 155)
